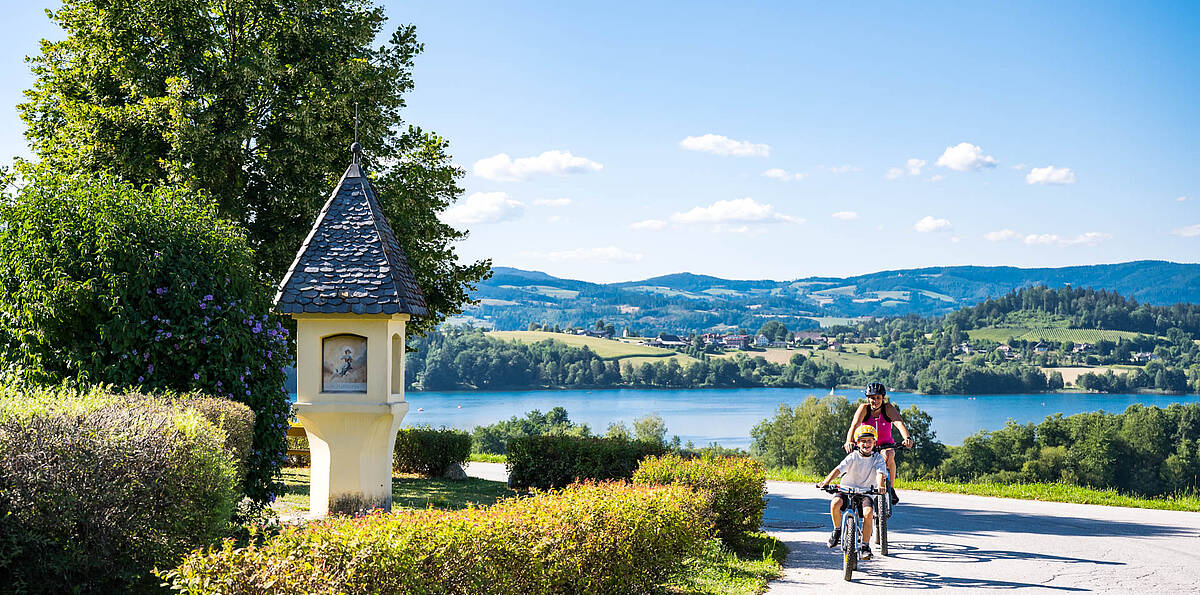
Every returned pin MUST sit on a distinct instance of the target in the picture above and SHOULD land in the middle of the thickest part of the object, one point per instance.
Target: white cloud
(484, 207)
(1090, 238)
(1050, 175)
(723, 145)
(936, 178)
(845, 215)
(502, 168)
(778, 174)
(1183, 199)
(965, 157)
(912, 167)
(842, 169)
(740, 210)
(1190, 231)
(552, 202)
(649, 225)
(1020, 167)
(929, 223)
(603, 254)
(1000, 236)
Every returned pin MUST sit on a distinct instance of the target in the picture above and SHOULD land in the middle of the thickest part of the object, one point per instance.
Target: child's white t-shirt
(859, 471)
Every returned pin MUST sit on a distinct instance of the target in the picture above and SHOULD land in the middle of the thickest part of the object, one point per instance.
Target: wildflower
(150, 369)
(203, 306)
(140, 379)
(196, 376)
(208, 298)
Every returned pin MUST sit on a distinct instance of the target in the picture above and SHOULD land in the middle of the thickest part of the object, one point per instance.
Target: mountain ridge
(687, 301)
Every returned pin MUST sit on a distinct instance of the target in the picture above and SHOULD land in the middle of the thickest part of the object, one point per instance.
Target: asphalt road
(952, 543)
(973, 544)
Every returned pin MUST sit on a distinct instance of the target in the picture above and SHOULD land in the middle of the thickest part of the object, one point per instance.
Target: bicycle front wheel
(882, 536)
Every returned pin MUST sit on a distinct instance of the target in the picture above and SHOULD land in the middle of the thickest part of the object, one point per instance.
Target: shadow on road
(919, 519)
(958, 553)
(908, 579)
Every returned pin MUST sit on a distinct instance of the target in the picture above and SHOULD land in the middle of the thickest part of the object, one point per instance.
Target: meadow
(1057, 335)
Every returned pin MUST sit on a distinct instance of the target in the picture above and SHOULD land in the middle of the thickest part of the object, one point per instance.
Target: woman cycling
(880, 414)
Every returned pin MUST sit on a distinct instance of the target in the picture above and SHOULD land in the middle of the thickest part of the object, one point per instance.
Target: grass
(408, 491)
(743, 568)
(605, 348)
(1047, 492)
(858, 362)
(479, 457)
(1058, 335)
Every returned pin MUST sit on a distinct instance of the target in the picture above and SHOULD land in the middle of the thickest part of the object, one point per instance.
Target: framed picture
(344, 364)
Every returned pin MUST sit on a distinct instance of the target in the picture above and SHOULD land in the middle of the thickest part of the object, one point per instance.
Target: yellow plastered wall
(351, 435)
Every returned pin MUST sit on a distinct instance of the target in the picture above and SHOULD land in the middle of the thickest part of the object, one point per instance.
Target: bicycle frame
(852, 519)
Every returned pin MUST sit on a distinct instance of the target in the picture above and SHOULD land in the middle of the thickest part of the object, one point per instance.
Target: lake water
(727, 415)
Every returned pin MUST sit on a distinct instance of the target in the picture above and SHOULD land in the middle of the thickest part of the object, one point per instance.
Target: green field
(605, 348)
(858, 362)
(828, 321)
(1058, 335)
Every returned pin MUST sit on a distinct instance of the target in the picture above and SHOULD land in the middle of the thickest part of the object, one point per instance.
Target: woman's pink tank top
(881, 425)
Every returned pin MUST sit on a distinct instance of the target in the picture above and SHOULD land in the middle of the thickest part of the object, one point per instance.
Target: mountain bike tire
(849, 563)
(882, 535)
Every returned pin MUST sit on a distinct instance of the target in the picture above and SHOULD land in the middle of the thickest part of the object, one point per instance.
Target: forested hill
(1079, 308)
(685, 302)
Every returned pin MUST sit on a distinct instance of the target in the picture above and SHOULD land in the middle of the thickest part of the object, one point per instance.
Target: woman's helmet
(865, 429)
(875, 388)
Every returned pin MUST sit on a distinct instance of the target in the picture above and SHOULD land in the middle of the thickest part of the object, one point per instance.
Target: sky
(618, 141)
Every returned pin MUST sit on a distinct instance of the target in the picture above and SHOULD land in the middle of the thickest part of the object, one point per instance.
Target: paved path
(971, 544)
(974, 544)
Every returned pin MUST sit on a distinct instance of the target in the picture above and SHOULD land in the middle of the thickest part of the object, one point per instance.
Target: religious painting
(344, 364)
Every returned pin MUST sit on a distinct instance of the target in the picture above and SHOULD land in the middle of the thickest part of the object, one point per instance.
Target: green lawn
(851, 361)
(1049, 492)
(408, 491)
(742, 568)
(1057, 335)
(605, 348)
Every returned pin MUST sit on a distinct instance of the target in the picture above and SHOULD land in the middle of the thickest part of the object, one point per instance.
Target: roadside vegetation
(1146, 456)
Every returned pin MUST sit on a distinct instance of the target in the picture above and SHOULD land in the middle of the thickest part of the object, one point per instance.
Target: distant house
(736, 341)
(966, 348)
(761, 341)
(778, 344)
(1083, 348)
(814, 336)
(1143, 356)
(1041, 347)
(669, 340)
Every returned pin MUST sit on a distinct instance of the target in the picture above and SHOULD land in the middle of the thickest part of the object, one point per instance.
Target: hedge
(146, 289)
(587, 538)
(97, 489)
(736, 486)
(546, 462)
(428, 451)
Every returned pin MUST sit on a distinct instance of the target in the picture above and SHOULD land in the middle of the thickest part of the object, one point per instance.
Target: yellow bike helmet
(865, 429)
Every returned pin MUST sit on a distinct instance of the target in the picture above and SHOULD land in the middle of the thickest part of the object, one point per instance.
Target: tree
(650, 428)
(253, 102)
(774, 330)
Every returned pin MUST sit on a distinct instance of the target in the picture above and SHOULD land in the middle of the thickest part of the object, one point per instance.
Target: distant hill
(683, 302)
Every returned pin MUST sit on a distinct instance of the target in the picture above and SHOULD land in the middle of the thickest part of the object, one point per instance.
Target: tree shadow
(910, 579)
(959, 553)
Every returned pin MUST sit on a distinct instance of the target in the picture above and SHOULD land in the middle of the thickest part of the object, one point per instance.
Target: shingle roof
(350, 261)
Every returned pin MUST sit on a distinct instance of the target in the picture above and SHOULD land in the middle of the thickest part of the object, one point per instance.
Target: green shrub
(493, 439)
(96, 490)
(145, 289)
(546, 462)
(234, 419)
(428, 451)
(587, 538)
(736, 486)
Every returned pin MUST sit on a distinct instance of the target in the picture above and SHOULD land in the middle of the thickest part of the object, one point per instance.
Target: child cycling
(878, 413)
(862, 469)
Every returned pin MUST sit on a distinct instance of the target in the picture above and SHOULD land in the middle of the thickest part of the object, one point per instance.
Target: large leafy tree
(252, 101)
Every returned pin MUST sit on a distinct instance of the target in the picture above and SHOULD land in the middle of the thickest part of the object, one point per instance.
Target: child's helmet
(865, 429)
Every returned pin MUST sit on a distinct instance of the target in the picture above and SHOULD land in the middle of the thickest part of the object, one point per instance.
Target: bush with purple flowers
(148, 290)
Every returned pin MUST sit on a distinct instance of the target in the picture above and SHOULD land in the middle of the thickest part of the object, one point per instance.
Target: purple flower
(203, 306)
(196, 376)
(160, 290)
(208, 298)
(218, 383)
(140, 379)
(247, 393)
(168, 335)
(150, 369)
(155, 317)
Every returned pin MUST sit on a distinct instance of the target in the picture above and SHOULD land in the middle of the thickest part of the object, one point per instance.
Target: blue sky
(766, 140)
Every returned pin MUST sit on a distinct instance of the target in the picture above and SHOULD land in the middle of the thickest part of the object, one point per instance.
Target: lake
(727, 415)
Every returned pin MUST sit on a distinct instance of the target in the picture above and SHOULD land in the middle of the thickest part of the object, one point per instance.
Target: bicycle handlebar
(832, 489)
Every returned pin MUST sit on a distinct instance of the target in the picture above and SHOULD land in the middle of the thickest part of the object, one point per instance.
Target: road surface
(953, 543)
(972, 544)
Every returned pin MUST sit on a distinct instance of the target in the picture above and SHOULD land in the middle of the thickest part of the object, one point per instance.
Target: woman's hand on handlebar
(908, 443)
(848, 446)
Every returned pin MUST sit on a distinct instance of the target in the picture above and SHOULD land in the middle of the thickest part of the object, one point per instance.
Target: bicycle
(851, 517)
(883, 511)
